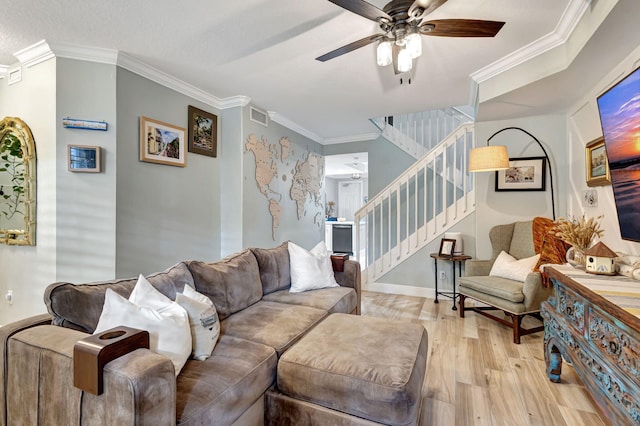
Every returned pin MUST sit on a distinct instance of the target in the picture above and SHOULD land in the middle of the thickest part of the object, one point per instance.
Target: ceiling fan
(403, 22)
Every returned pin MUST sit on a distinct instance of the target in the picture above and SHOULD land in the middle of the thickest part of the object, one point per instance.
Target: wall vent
(14, 76)
(259, 116)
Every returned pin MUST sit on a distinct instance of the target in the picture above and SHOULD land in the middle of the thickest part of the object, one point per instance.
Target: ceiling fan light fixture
(384, 53)
(414, 45)
(405, 62)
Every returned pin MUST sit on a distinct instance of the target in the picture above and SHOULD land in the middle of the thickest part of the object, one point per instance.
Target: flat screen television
(619, 109)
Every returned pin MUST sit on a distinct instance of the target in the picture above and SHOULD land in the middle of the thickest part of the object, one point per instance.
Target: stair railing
(432, 195)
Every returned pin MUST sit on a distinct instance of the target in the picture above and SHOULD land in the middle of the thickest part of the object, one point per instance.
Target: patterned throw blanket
(551, 248)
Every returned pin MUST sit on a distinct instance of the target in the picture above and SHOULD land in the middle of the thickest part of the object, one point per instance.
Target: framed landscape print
(162, 143)
(83, 158)
(523, 174)
(597, 165)
(203, 132)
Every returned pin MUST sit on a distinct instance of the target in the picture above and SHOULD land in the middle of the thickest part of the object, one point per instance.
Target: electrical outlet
(443, 275)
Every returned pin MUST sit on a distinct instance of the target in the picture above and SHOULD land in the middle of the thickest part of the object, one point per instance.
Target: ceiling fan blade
(421, 8)
(349, 47)
(460, 28)
(362, 8)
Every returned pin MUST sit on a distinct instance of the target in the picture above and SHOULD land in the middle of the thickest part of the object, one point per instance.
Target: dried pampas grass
(578, 231)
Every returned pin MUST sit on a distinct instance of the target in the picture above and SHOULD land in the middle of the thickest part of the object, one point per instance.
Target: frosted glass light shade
(404, 61)
(488, 159)
(414, 45)
(384, 53)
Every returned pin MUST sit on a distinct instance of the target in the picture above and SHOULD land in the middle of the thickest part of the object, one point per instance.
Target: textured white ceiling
(265, 50)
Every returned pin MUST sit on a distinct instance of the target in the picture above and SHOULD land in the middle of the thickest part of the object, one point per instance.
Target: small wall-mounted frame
(74, 123)
(162, 143)
(83, 158)
(446, 247)
(203, 132)
(597, 165)
(523, 174)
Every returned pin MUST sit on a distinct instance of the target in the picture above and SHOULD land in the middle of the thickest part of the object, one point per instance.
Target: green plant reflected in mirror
(17, 183)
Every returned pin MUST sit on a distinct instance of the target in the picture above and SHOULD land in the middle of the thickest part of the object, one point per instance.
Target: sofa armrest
(475, 268)
(139, 387)
(5, 333)
(534, 292)
(350, 277)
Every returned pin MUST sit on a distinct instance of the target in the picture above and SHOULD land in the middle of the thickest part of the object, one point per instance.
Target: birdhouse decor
(599, 260)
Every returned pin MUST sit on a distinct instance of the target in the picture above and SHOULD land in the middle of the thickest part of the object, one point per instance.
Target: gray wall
(86, 202)
(165, 214)
(231, 149)
(386, 161)
(257, 231)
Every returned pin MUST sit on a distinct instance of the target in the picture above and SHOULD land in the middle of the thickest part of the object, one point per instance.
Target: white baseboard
(400, 289)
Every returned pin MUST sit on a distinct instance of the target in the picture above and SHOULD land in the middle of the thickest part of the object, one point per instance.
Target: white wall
(494, 208)
(27, 270)
(583, 127)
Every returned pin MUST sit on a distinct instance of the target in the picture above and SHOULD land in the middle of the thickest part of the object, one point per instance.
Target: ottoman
(351, 370)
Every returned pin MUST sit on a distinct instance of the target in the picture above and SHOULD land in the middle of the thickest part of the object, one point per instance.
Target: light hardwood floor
(476, 375)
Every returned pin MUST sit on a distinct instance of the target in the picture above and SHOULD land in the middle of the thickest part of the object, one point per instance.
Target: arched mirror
(17, 183)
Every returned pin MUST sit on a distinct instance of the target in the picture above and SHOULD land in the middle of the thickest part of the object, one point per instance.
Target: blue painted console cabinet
(594, 322)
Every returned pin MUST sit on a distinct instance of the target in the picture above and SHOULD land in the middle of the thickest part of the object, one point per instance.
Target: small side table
(456, 258)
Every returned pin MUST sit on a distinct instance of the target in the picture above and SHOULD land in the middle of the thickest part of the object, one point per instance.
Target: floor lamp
(493, 158)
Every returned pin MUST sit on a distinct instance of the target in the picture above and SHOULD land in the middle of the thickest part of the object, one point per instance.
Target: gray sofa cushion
(220, 389)
(273, 324)
(78, 306)
(275, 273)
(365, 366)
(232, 283)
(501, 288)
(333, 300)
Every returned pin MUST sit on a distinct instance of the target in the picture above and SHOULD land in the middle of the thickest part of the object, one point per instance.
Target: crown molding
(136, 66)
(84, 53)
(352, 138)
(42, 51)
(570, 18)
(35, 54)
(284, 121)
(234, 101)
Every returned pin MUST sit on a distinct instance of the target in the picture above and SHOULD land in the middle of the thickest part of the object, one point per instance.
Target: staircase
(434, 194)
(418, 133)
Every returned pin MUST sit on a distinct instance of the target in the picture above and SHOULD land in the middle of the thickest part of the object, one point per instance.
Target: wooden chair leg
(517, 321)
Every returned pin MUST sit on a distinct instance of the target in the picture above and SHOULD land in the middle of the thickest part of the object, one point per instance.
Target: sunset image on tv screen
(619, 109)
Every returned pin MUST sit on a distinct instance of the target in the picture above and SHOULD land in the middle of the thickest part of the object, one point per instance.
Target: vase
(576, 258)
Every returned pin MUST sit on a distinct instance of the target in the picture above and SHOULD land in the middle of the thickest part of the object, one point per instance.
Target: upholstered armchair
(515, 298)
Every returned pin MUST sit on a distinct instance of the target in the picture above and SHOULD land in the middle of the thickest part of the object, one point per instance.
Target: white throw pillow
(506, 266)
(203, 319)
(168, 326)
(310, 270)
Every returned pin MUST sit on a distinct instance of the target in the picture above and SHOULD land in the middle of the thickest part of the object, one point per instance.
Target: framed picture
(446, 247)
(82, 158)
(203, 132)
(162, 143)
(523, 174)
(597, 165)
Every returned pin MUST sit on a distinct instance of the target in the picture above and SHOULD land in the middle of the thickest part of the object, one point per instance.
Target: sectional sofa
(259, 319)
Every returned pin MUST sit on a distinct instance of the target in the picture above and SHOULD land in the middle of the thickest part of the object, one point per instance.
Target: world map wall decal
(306, 177)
